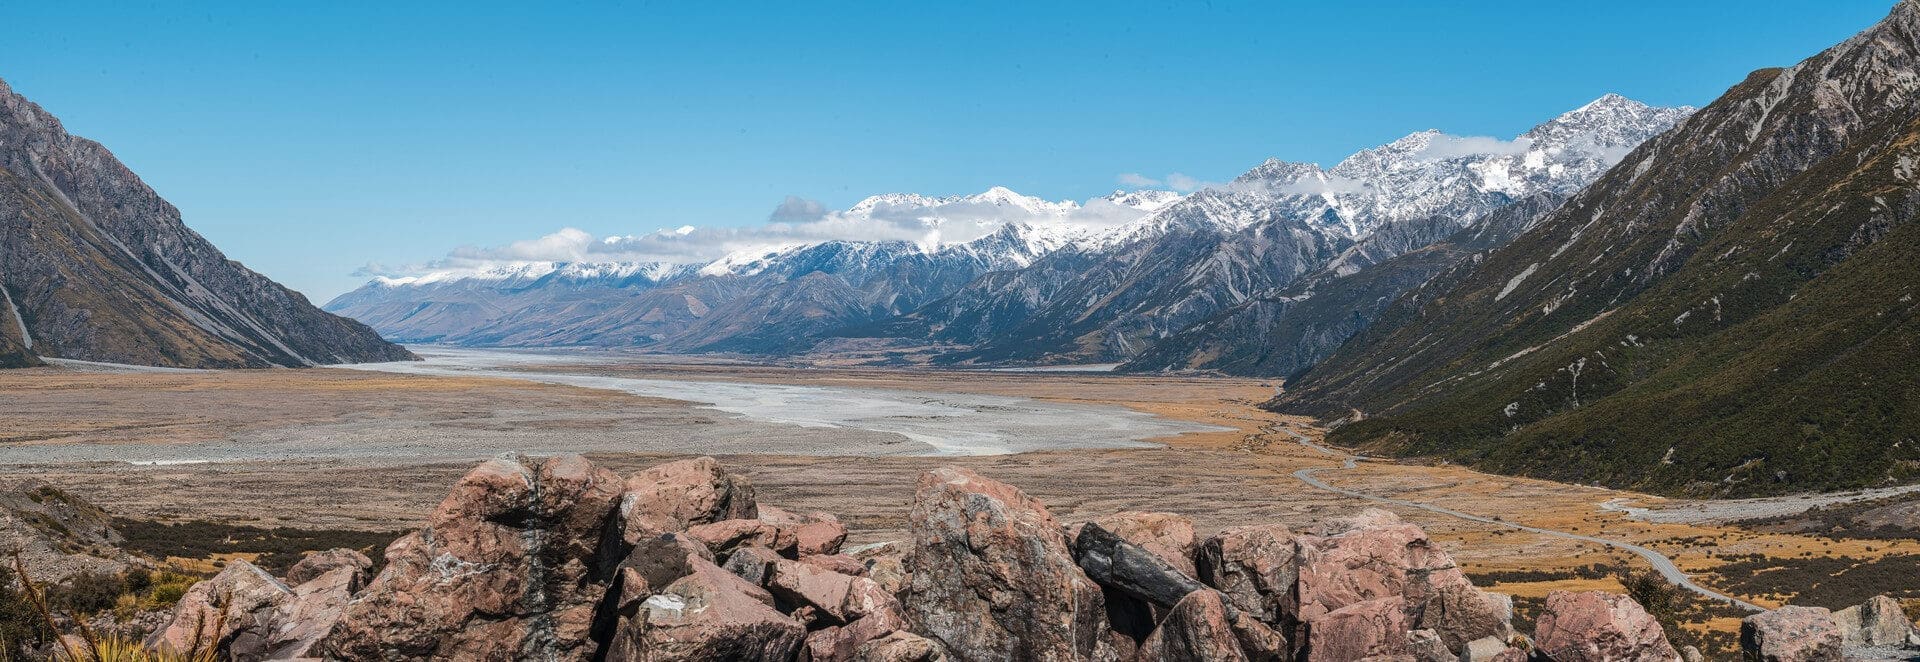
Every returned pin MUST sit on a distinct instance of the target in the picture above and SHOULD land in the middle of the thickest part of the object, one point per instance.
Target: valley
(1233, 463)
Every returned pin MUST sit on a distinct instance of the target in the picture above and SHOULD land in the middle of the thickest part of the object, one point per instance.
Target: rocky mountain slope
(1726, 312)
(1040, 289)
(1288, 331)
(1278, 222)
(95, 266)
(775, 300)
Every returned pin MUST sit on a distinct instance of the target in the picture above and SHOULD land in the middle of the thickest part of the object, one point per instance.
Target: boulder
(992, 577)
(1370, 628)
(1197, 629)
(802, 584)
(1259, 641)
(1425, 646)
(673, 496)
(1254, 566)
(839, 563)
(1166, 535)
(805, 534)
(234, 613)
(1877, 622)
(665, 557)
(319, 563)
(1791, 634)
(1130, 569)
(510, 562)
(1495, 649)
(753, 564)
(1459, 613)
(874, 614)
(710, 614)
(901, 646)
(886, 563)
(1594, 626)
(1365, 519)
(1371, 559)
(723, 536)
(845, 641)
(306, 618)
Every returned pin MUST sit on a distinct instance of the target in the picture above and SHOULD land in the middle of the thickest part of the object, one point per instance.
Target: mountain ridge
(98, 267)
(1047, 282)
(1584, 347)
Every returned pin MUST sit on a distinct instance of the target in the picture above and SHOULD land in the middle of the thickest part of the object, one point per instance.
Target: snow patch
(25, 337)
(1515, 281)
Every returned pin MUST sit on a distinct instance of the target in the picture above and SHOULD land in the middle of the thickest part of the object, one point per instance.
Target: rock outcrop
(1167, 535)
(1197, 629)
(992, 575)
(1592, 626)
(677, 495)
(314, 565)
(1792, 634)
(95, 266)
(233, 612)
(1376, 556)
(1878, 622)
(560, 560)
(57, 534)
(510, 564)
(710, 614)
(1254, 566)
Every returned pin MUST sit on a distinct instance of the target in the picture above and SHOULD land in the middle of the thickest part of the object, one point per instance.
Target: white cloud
(796, 209)
(1177, 182)
(796, 221)
(1184, 184)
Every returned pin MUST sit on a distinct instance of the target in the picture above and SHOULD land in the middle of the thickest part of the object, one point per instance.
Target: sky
(312, 140)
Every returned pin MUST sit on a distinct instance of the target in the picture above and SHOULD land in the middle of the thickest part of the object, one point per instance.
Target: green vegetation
(278, 548)
(1771, 354)
(34, 616)
(1834, 582)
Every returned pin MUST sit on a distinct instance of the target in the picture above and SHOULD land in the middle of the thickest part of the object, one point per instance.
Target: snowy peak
(1606, 124)
(1276, 171)
(520, 274)
(1143, 199)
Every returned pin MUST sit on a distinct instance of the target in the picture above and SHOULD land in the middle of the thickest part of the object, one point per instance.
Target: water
(949, 423)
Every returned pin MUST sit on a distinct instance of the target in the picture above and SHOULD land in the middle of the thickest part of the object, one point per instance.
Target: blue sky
(308, 141)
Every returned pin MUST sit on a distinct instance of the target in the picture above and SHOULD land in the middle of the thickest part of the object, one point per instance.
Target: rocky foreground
(557, 559)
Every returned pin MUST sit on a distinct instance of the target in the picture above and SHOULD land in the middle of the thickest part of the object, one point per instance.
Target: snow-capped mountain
(1010, 276)
(944, 243)
(1280, 220)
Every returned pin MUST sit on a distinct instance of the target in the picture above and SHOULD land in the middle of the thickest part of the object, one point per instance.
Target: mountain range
(1043, 287)
(95, 266)
(1729, 311)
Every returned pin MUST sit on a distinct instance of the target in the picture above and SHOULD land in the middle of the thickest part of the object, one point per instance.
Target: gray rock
(1877, 622)
(1792, 634)
(1126, 567)
(992, 577)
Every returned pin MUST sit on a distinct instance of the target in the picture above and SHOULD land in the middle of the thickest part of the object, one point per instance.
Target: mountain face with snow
(95, 266)
(773, 299)
(1223, 246)
(1281, 333)
(1002, 277)
(1744, 283)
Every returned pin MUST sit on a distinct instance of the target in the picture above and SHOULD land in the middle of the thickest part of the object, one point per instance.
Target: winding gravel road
(1659, 561)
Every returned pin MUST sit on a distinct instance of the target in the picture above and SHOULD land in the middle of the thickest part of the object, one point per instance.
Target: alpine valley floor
(1240, 468)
